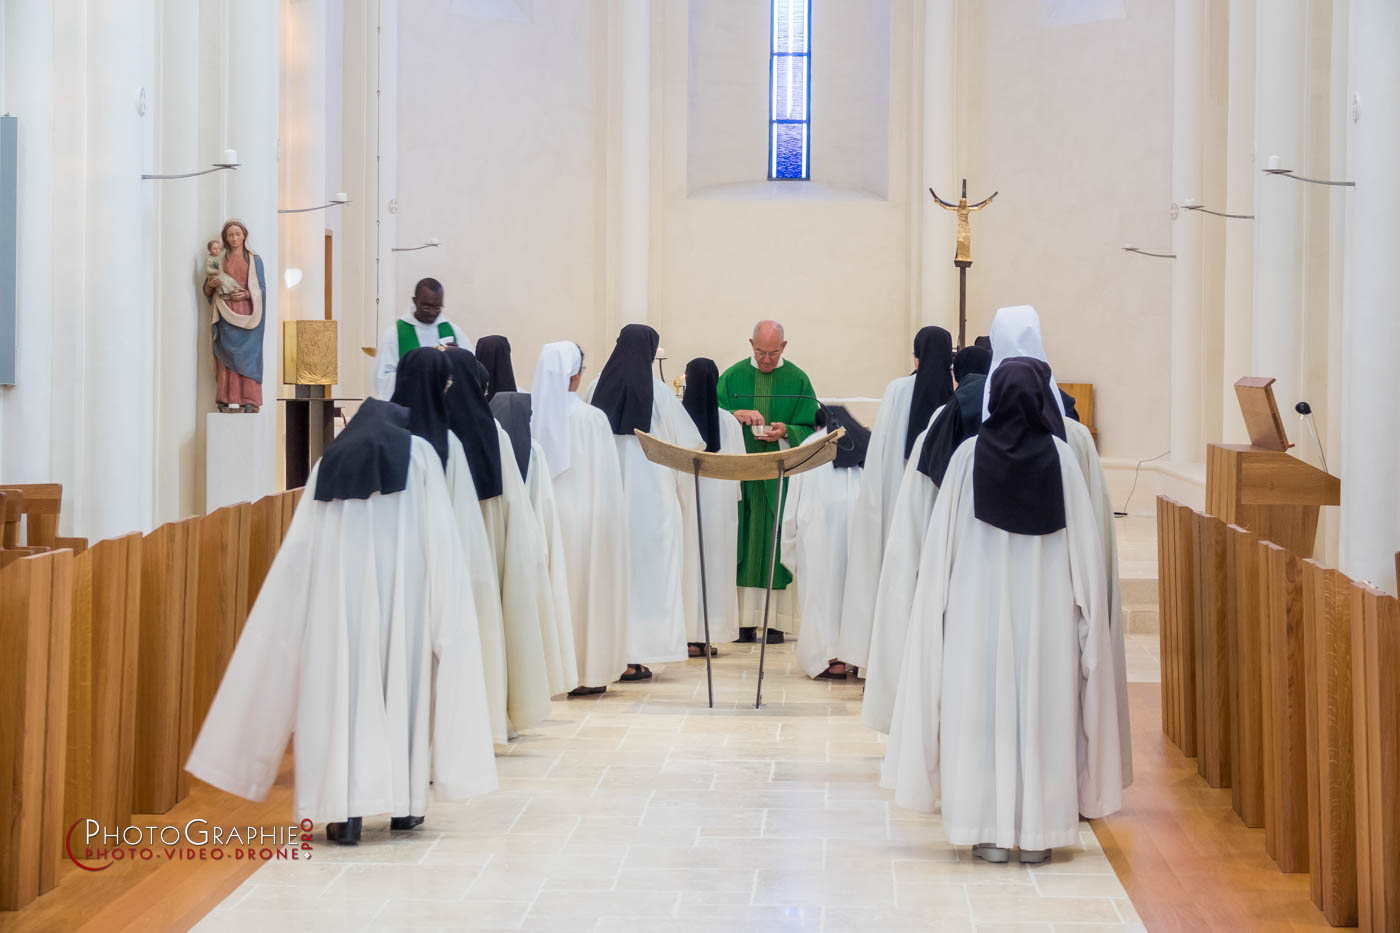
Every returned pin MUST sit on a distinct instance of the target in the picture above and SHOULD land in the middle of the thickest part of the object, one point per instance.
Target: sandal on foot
(990, 853)
(829, 674)
(401, 823)
(641, 672)
(1035, 856)
(345, 834)
(696, 649)
(587, 691)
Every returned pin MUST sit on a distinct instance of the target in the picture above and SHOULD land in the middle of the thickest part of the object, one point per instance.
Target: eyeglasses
(767, 354)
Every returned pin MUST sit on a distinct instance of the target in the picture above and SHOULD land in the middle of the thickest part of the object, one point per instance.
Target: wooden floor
(159, 894)
(1186, 860)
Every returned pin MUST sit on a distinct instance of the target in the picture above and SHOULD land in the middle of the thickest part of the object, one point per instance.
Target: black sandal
(345, 834)
(587, 691)
(401, 823)
(696, 649)
(642, 673)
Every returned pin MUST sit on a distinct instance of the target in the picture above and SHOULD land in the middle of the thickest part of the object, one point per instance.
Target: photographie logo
(88, 841)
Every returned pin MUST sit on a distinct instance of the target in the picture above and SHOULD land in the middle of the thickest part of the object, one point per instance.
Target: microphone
(1305, 411)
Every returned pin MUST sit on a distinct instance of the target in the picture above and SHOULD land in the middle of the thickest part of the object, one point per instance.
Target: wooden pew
(1331, 778)
(1213, 703)
(11, 511)
(165, 679)
(1375, 647)
(1176, 575)
(41, 504)
(222, 599)
(1285, 709)
(102, 685)
(1242, 618)
(264, 538)
(36, 604)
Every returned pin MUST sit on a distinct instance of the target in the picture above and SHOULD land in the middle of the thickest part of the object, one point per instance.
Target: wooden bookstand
(1258, 486)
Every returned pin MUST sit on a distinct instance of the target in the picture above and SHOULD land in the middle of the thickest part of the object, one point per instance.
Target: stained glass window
(790, 91)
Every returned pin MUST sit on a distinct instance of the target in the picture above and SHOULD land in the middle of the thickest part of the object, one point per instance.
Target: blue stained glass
(789, 87)
(790, 25)
(789, 145)
(789, 91)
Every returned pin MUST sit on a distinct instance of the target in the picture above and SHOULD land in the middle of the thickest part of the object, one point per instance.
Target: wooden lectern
(1258, 486)
(776, 464)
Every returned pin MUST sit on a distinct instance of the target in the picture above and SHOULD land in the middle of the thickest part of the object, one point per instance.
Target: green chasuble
(758, 510)
(408, 336)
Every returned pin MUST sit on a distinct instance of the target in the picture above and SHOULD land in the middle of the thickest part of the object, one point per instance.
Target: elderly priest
(777, 406)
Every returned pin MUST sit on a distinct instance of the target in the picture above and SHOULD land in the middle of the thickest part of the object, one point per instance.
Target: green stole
(408, 336)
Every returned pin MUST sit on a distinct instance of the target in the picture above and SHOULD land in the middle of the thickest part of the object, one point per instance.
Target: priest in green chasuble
(777, 406)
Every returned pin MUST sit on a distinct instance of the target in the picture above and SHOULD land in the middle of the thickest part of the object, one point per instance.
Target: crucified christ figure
(963, 256)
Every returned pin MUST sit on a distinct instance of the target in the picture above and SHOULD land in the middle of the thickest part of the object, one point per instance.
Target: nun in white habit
(899, 572)
(814, 543)
(1015, 332)
(633, 399)
(363, 642)
(577, 447)
(908, 407)
(1005, 713)
(719, 508)
(513, 409)
(504, 550)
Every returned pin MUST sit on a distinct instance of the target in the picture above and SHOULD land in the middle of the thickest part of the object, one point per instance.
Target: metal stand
(768, 596)
(704, 586)
(963, 266)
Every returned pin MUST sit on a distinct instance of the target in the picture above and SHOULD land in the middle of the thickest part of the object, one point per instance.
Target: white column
(116, 482)
(939, 282)
(630, 101)
(252, 72)
(1188, 71)
(1239, 234)
(303, 165)
(28, 418)
(1278, 230)
(1370, 519)
(181, 356)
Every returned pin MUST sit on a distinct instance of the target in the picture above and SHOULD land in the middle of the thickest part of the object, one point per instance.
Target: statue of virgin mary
(237, 320)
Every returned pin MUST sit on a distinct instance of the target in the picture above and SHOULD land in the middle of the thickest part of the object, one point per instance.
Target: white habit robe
(719, 500)
(506, 568)
(1006, 709)
(363, 643)
(656, 531)
(815, 523)
(1087, 455)
(590, 503)
(894, 598)
(558, 629)
(871, 519)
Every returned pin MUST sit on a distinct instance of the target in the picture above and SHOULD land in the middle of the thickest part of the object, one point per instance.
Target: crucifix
(962, 258)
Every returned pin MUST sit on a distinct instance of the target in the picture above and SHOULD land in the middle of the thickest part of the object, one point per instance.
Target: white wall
(1072, 124)
(114, 363)
(500, 157)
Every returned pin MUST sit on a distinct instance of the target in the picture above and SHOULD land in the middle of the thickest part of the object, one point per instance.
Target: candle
(661, 353)
(340, 198)
(230, 157)
(432, 241)
(1129, 246)
(1275, 163)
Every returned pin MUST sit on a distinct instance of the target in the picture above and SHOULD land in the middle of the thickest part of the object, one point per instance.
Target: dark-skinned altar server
(909, 405)
(503, 556)
(719, 501)
(512, 410)
(363, 642)
(815, 523)
(1005, 713)
(1016, 332)
(636, 400)
(899, 572)
(577, 443)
